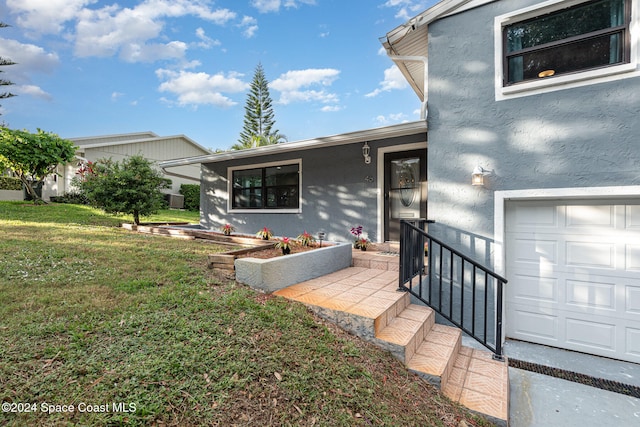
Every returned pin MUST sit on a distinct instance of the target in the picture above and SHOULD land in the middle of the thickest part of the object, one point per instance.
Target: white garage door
(574, 275)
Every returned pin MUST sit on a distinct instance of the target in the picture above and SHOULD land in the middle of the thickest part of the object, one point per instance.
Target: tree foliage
(130, 187)
(3, 62)
(33, 156)
(258, 116)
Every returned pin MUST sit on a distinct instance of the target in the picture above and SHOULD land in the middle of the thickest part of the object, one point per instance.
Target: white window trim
(584, 78)
(230, 171)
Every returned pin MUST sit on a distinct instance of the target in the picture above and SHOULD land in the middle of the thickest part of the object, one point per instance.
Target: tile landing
(365, 301)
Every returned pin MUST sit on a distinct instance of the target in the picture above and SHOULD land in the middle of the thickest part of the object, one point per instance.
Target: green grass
(91, 314)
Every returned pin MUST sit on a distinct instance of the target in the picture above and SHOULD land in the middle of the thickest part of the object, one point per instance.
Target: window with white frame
(266, 187)
(565, 41)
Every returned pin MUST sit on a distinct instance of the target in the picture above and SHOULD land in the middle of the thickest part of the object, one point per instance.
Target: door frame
(380, 166)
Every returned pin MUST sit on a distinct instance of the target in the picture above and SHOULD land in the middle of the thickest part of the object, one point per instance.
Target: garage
(574, 275)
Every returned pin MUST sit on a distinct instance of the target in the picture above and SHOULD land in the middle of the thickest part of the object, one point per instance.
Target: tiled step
(470, 377)
(375, 260)
(365, 302)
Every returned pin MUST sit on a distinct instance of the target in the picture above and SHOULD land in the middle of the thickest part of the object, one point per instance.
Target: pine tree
(5, 61)
(258, 116)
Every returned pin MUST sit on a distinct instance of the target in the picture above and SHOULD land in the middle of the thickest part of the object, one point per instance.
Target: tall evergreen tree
(5, 61)
(258, 116)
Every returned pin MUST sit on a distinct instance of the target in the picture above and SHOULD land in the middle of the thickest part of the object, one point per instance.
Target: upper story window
(583, 37)
(268, 187)
(562, 44)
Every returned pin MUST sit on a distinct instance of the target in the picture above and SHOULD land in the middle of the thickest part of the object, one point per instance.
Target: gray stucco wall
(339, 191)
(580, 137)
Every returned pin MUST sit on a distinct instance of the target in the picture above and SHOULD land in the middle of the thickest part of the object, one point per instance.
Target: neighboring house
(319, 185)
(117, 147)
(545, 98)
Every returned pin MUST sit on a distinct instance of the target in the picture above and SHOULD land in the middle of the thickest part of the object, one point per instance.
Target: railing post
(498, 354)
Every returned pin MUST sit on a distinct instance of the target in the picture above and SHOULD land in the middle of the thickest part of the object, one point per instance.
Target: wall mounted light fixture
(365, 153)
(477, 176)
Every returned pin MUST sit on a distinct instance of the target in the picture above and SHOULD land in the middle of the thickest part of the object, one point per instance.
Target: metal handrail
(442, 277)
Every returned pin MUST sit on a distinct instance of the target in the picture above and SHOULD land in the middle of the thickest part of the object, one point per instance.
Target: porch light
(477, 176)
(365, 153)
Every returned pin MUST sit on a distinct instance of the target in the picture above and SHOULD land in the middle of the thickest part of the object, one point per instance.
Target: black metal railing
(461, 290)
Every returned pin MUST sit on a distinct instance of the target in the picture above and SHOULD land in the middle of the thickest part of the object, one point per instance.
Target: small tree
(131, 187)
(33, 156)
(4, 62)
(258, 116)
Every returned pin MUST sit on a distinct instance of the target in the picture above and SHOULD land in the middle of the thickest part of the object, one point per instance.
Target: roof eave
(322, 142)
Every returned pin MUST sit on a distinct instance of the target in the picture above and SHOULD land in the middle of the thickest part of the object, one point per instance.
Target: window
(584, 37)
(268, 187)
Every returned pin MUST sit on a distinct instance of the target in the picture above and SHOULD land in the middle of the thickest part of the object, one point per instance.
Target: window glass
(275, 187)
(586, 36)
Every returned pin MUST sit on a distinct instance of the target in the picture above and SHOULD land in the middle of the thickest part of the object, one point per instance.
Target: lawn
(101, 326)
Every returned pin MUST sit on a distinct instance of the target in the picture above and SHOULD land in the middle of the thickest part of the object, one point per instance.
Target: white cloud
(391, 119)
(249, 25)
(110, 30)
(116, 95)
(32, 90)
(266, 6)
(294, 86)
(407, 9)
(29, 59)
(205, 41)
(46, 16)
(193, 89)
(393, 80)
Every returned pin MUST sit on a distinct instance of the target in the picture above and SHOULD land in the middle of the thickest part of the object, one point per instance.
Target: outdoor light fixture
(365, 153)
(477, 176)
(321, 237)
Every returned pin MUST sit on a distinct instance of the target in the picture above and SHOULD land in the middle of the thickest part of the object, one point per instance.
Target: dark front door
(405, 176)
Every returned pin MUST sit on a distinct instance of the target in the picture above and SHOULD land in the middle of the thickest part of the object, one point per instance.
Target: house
(540, 100)
(117, 147)
(530, 113)
(328, 184)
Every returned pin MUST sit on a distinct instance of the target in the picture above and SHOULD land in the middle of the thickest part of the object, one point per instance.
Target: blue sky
(100, 67)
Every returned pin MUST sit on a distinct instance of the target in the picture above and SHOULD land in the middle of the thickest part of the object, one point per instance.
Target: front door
(405, 175)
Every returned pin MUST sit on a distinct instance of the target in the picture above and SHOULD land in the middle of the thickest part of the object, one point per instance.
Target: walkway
(364, 300)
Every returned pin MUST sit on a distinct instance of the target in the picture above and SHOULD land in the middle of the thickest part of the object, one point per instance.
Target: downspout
(423, 110)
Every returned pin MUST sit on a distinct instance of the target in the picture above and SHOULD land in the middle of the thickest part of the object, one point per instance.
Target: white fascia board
(322, 142)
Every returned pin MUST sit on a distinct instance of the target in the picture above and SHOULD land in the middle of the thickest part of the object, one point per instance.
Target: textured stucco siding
(339, 191)
(580, 137)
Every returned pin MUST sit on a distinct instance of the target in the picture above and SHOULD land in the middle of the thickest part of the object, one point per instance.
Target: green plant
(265, 233)
(10, 183)
(131, 187)
(284, 245)
(306, 239)
(227, 229)
(33, 156)
(74, 197)
(191, 193)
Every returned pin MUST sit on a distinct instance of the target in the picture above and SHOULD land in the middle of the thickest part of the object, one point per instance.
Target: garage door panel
(590, 335)
(632, 214)
(632, 257)
(534, 325)
(535, 251)
(589, 294)
(574, 275)
(536, 289)
(589, 216)
(632, 298)
(632, 340)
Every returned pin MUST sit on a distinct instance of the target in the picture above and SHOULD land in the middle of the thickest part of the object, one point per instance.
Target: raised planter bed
(276, 273)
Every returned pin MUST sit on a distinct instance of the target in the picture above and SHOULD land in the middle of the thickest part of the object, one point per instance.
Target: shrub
(191, 193)
(10, 183)
(73, 198)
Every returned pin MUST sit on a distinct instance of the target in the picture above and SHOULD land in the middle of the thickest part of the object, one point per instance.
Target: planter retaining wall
(277, 273)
